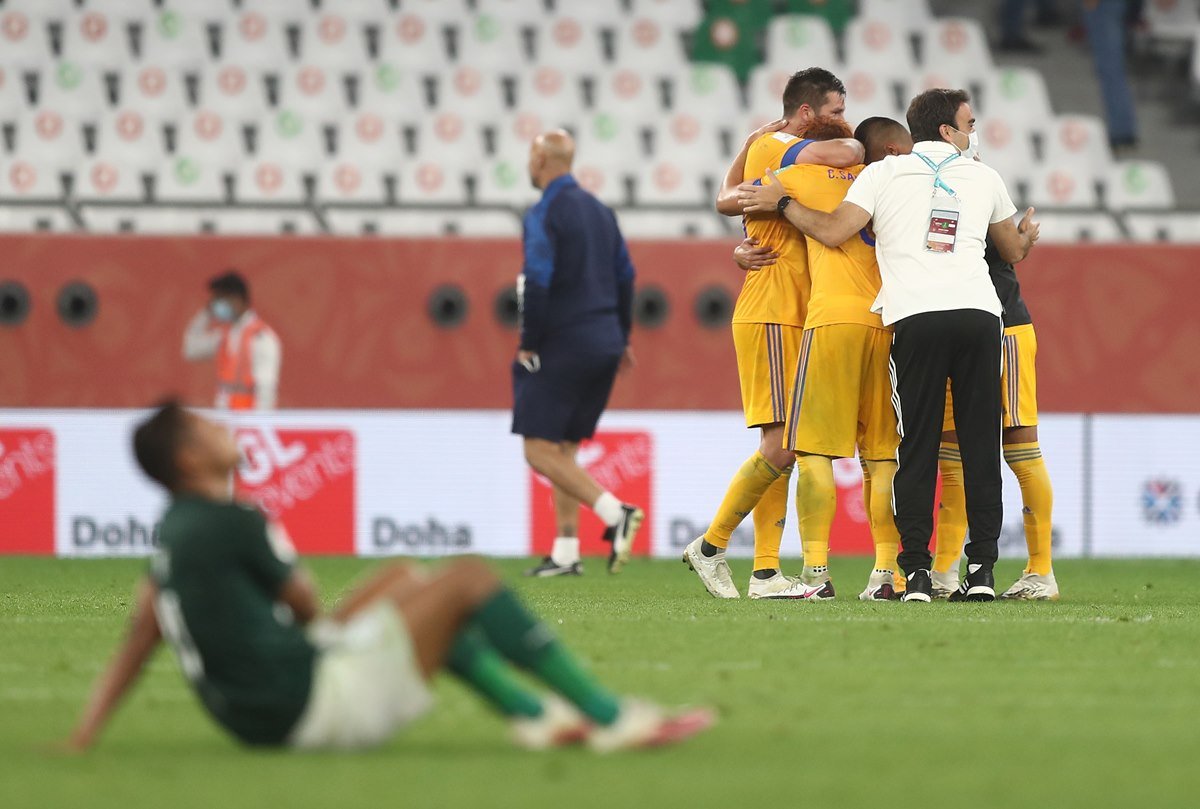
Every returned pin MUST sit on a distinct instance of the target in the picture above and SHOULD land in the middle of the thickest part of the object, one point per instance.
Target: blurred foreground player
(246, 625)
(576, 294)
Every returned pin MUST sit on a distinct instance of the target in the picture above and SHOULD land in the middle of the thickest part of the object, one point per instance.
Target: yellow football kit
(1018, 379)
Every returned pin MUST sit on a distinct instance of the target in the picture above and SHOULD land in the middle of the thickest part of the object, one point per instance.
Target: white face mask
(972, 150)
(222, 310)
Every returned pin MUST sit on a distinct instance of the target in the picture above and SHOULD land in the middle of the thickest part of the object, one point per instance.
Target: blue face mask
(221, 310)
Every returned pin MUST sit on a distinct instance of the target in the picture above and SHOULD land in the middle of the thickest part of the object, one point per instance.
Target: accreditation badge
(943, 225)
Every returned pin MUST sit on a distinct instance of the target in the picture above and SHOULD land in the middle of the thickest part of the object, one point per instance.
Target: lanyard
(937, 181)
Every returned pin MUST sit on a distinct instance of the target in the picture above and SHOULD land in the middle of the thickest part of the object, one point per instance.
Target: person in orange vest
(247, 350)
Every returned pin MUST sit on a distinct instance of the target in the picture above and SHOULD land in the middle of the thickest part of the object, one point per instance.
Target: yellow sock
(745, 490)
(769, 517)
(952, 511)
(1037, 495)
(878, 500)
(816, 505)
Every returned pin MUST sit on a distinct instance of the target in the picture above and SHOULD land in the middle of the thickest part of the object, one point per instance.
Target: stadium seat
(150, 221)
(520, 12)
(1073, 228)
(956, 47)
(35, 219)
(413, 40)
(313, 92)
(211, 11)
(766, 88)
(449, 138)
(912, 16)
(46, 136)
(872, 93)
(42, 10)
(426, 182)
(469, 224)
(129, 10)
(707, 91)
(349, 181)
(487, 41)
(797, 41)
(174, 40)
(73, 89)
(1182, 228)
(155, 91)
(127, 137)
(233, 90)
(552, 95)
(472, 92)
(282, 10)
(1078, 144)
(256, 222)
(1054, 186)
(441, 12)
(370, 139)
(677, 15)
(612, 142)
(938, 77)
(645, 43)
(186, 180)
(601, 12)
(1009, 151)
(27, 180)
(254, 40)
(666, 182)
(513, 135)
(372, 12)
(24, 38)
(875, 46)
(268, 180)
(1017, 95)
(626, 93)
(392, 92)
(96, 40)
(686, 140)
(505, 182)
(208, 138)
(291, 137)
(13, 96)
(1138, 185)
(565, 43)
(333, 41)
(1172, 19)
(104, 180)
(609, 186)
(673, 224)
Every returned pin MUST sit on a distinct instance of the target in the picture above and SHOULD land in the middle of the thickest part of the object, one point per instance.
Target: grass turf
(1092, 701)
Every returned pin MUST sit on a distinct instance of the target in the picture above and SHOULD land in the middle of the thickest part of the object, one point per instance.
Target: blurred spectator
(246, 349)
(1012, 23)
(1105, 21)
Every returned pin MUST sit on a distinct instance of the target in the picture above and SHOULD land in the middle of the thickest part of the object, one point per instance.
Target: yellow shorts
(842, 396)
(766, 358)
(1018, 379)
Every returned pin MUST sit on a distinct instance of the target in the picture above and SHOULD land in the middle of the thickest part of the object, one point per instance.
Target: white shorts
(366, 683)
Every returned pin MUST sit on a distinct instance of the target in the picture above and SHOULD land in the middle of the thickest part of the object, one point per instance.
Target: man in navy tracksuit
(576, 296)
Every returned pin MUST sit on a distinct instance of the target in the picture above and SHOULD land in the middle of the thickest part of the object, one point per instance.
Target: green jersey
(219, 571)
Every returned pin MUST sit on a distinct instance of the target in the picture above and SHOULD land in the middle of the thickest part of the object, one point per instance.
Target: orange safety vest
(235, 369)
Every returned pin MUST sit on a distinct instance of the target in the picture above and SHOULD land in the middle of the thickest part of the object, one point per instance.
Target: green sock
(528, 643)
(473, 660)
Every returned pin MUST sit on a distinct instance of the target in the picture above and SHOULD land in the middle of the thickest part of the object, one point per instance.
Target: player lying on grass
(246, 625)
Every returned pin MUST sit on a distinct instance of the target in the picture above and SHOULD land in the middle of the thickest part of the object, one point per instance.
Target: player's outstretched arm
(1014, 242)
(122, 672)
(830, 229)
(727, 197)
(839, 152)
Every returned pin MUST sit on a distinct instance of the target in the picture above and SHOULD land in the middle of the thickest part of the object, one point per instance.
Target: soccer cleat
(1032, 587)
(944, 583)
(643, 724)
(920, 587)
(712, 570)
(548, 567)
(977, 586)
(560, 725)
(622, 535)
(881, 586)
(780, 586)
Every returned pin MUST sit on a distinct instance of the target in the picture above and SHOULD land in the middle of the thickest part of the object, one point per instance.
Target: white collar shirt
(898, 192)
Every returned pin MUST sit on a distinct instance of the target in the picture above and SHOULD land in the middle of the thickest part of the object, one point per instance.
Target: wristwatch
(783, 203)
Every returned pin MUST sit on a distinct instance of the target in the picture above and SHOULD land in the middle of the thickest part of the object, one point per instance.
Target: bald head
(550, 156)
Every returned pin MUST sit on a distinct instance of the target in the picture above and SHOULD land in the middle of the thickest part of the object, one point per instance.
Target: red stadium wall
(1116, 324)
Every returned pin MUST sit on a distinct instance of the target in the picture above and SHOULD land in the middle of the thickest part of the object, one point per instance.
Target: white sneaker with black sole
(622, 536)
(919, 587)
(1033, 587)
(548, 567)
(979, 585)
(944, 583)
(713, 571)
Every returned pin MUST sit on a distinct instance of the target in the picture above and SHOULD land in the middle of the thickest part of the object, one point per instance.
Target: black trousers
(962, 345)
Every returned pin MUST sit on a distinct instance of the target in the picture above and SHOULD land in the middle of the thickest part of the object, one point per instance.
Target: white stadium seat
(164, 221)
(766, 87)
(568, 44)
(672, 225)
(939, 77)
(128, 137)
(154, 90)
(185, 180)
(291, 137)
(871, 93)
(1078, 144)
(393, 92)
(472, 92)
(442, 12)
(259, 222)
(1172, 19)
(875, 46)
(412, 40)
(912, 16)
(626, 93)
(493, 224)
(96, 40)
(370, 139)
(103, 180)
(24, 39)
(1138, 185)
(504, 182)
(313, 91)
(1058, 187)
(233, 90)
(550, 94)
(957, 47)
(1073, 228)
(268, 180)
(1009, 151)
(688, 141)
(124, 9)
(207, 10)
(646, 43)
(48, 137)
(348, 181)
(254, 40)
(679, 15)
(607, 184)
(209, 138)
(13, 97)
(426, 182)
(175, 40)
(281, 10)
(521, 12)
(23, 180)
(513, 135)
(448, 137)
(612, 142)
(42, 9)
(1019, 96)
(797, 41)
(333, 41)
(490, 42)
(33, 219)
(1183, 228)
(603, 12)
(74, 89)
(363, 11)
(666, 182)
(707, 91)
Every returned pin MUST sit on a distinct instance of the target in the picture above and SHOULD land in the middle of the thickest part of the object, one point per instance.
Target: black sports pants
(962, 345)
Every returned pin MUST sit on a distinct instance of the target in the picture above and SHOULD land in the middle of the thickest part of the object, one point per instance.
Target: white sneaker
(712, 570)
(1032, 587)
(560, 724)
(643, 724)
(944, 583)
(881, 586)
(774, 587)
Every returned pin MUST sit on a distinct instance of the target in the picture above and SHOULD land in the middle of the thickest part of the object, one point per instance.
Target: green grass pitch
(1094, 701)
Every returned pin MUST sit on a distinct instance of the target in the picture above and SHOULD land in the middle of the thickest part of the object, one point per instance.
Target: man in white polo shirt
(931, 212)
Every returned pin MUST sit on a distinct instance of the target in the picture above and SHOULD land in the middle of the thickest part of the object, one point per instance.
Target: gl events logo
(27, 471)
(303, 480)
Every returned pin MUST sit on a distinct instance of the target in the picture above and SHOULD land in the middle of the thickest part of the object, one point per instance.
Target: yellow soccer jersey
(779, 293)
(845, 279)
